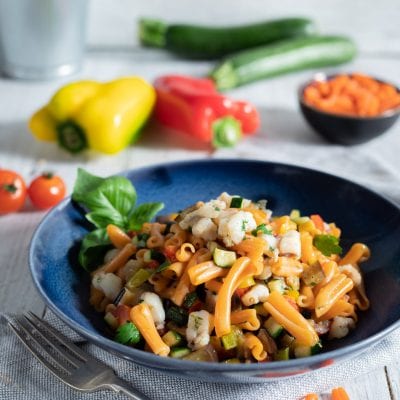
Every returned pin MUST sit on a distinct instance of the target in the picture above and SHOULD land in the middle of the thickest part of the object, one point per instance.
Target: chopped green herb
(217, 209)
(197, 321)
(128, 334)
(327, 244)
(244, 223)
(263, 229)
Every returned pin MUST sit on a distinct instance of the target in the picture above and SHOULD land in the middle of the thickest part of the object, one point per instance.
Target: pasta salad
(227, 281)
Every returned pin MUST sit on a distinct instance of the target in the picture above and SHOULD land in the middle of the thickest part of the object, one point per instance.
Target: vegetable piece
(236, 202)
(206, 42)
(177, 315)
(12, 191)
(224, 258)
(306, 351)
(128, 334)
(311, 396)
(194, 106)
(276, 285)
(282, 354)
(172, 338)
(273, 328)
(355, 94)
(143, 213)
(179, 352)
(46, 191)
(262, 228)
(318, 221)
(105, 117)
(339, 394)
(138, 278)
(190, 299)
(206, 353)
(278, 58)
(163, 266)
(327, 244)
(229, 341)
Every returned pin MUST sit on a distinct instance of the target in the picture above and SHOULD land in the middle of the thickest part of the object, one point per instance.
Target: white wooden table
(284, 135)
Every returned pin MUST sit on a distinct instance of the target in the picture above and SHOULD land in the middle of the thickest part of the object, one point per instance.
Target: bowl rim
(151, 360)
(321, 76)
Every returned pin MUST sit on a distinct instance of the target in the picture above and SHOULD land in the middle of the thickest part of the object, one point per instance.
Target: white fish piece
(340, 327)
(290, 243)
(154, 302)
(205, 228)
(109, 283)
(270, 240)
(198, 328)
(257, 294)
(210, 209)
(232, 227)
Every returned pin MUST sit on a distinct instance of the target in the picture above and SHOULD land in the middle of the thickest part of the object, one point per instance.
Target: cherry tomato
(12, 191)
(46, 191)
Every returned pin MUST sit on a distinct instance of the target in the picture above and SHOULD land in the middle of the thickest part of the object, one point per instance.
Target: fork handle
(120, 386)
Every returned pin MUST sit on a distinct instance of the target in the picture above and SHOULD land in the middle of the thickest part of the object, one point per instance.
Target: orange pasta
(204, 272)
(331, 292)
(340, 308)
(185, 252)
(117, 236)
(359, 252)
(291, 319)
(142, 318)
(246, 319)
(256, 347)
(241, 269)
(253, 247)
(120, 259)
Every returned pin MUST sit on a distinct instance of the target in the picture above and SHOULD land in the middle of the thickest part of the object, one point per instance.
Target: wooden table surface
(284, 135)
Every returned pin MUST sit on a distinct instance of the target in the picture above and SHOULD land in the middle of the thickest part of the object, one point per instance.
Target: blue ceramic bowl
(362, 214)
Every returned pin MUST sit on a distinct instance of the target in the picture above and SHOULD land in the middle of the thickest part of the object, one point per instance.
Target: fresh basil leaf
(143, 213)
(103, 217)
(327, 244)
(263, 229)
(115, 194)
(93, 248)
(85, 183)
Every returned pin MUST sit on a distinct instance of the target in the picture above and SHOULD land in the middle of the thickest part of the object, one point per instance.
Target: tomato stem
(10, 187)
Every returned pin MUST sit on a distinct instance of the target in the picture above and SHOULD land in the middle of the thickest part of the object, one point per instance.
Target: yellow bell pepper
(105, 117)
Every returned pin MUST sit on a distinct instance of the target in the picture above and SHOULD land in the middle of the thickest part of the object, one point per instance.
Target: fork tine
(43, 333)
(25, 340)
(60, 338)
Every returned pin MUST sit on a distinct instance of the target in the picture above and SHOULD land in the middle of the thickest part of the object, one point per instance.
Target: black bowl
(344, 129)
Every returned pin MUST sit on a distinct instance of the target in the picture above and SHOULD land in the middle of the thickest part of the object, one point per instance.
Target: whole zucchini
(282, 57)
(206, 42)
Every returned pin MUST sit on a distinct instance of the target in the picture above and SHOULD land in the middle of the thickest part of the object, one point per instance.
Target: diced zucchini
(294, 214)
(273, 328)
(172, 338)
(179, 352)
(236, 202)
(229, 341)
(212, 246)
(177, 315)
(306, 351)
(111, 320)
(282, 354)
(138, 278)
(232, 361)
(247, 283)
(140, 239)
(224, 258)
(286, 340)
(190, 299)
(147, 256)
(163, 266)
(277, 285)
(157, 256)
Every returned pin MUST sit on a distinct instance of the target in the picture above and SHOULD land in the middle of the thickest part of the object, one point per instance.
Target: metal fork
(67, 361)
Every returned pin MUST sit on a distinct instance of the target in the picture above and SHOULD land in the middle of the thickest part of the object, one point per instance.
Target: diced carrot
(318, 221)
(339, 394)
(357, 94)
(311, 396)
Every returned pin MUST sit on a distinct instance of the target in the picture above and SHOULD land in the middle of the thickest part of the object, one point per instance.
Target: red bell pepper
(194, 106)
